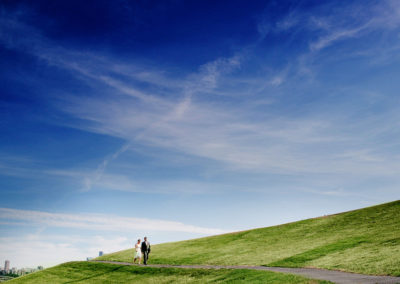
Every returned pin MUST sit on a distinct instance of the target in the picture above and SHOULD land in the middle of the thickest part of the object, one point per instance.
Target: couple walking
(140, 248)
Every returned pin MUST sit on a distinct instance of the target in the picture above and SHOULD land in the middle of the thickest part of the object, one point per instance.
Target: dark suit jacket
(146, 247)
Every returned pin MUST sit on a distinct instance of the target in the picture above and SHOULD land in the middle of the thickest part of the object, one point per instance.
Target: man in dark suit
(145, 250)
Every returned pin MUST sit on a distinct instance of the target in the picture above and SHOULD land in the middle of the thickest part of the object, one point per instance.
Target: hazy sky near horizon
(181, 119)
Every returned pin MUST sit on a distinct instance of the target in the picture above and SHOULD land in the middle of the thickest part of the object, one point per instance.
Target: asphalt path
(334, 276)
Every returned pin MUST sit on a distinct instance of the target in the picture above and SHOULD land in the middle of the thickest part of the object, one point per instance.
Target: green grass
(364, 241)
(87, 272)
(299, 259)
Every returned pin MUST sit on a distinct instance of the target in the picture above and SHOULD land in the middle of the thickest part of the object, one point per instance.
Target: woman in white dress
(138, 251)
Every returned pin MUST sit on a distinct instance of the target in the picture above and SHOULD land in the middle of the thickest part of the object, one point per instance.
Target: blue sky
(181, 119)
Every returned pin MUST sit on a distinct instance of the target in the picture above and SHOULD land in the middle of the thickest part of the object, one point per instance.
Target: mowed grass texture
(364, 241)
(88, 272)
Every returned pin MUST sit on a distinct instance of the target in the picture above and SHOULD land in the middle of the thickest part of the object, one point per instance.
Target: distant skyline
(9, 268)
(182, 119)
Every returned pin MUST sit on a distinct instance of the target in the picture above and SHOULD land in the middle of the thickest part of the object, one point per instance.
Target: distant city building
(7, 266)
(100, 253)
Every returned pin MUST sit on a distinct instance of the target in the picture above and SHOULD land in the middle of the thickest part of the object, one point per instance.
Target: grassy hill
(89, 272)
(364, 241)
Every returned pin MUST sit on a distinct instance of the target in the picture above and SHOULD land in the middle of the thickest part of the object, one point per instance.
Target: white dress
(138, 252)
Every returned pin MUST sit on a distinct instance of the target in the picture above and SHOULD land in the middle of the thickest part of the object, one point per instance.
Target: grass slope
(364, 241)
(87, 272)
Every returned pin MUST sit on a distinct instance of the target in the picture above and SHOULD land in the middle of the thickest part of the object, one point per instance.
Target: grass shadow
(300, 259)
(96, 275)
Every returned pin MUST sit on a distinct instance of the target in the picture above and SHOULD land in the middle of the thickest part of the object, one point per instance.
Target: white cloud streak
(336, 35)
(100, 222)
(97, 176)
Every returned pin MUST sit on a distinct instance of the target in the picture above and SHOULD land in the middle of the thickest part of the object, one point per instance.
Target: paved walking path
(338, 277)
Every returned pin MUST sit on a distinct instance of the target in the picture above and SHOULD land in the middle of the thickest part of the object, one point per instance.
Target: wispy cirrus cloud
(336, 35)
(356, 21)
(351, 21)
(188, 118)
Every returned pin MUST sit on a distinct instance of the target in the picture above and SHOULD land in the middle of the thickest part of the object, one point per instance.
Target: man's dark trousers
(145, 257)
